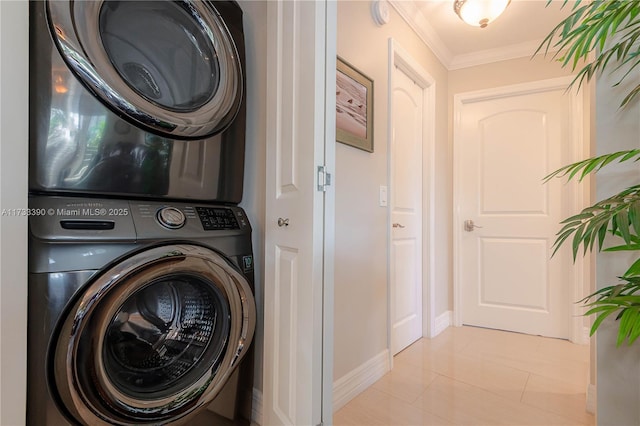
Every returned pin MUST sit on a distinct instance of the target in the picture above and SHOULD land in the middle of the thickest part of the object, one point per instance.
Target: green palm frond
(621, 299)
(617, 215)
(595, 35)
(602, 36)
(592, 165)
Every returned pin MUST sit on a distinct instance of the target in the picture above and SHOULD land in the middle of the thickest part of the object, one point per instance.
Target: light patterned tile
(373, 407)
(562, 349)
(505, 344)
(552, 358)
(488, 338)
(558, 397)
(405, 381)
(573, 372)
(502, 380)
(448, 341)
(475, 377)
(465, 404)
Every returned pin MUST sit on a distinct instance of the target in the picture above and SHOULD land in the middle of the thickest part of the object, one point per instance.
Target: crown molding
(418, 23)
(413, 16)
(514, 51)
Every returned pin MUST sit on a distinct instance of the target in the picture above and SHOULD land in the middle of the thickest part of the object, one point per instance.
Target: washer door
(153, 338)
(170, 67)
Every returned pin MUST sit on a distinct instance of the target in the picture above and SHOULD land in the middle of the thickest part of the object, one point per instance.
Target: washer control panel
(190, 219)
(217, 218)
(171, 217)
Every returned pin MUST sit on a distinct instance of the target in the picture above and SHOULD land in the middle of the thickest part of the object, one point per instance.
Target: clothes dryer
(140, 313)
(138, 99)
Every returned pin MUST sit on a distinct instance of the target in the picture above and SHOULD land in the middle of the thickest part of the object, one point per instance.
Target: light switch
(383, 196)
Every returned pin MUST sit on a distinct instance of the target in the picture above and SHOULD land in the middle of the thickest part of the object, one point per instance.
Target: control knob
(171, 218)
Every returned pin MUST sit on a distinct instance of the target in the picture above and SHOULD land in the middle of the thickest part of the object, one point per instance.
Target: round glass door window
(153, 339)
(169, 67)
(162, 332)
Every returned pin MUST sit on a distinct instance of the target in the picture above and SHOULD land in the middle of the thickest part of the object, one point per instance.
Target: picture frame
(354, 107)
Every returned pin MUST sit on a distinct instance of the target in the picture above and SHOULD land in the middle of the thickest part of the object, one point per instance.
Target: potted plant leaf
(603, 36)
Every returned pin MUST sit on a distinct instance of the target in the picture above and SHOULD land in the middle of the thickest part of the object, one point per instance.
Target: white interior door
(505, 143)
(299, 66)
(406, 211)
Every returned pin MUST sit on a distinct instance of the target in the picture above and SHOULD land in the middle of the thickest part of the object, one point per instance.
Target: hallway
(476, 376)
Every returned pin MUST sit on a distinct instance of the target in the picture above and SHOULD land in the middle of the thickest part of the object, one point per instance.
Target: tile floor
(475, 376)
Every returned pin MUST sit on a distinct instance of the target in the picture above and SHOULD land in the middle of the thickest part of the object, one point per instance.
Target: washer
(140, 312)
(139, 99)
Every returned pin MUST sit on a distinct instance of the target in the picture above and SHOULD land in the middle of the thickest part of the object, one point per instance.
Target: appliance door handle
(95, 225)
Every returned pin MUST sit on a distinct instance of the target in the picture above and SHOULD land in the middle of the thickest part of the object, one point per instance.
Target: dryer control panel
(217, 218)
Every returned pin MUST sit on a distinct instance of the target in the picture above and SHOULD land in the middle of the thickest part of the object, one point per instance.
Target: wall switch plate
(383, 196)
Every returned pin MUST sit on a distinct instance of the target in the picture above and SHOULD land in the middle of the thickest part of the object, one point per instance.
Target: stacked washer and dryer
(141, 307)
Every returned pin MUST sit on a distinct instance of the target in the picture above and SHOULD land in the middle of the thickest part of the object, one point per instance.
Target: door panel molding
(401, 61)
(298, 287)
(577, 198)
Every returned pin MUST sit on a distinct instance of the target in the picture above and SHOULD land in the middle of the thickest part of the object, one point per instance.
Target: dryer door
(170, 67)
(153, 338)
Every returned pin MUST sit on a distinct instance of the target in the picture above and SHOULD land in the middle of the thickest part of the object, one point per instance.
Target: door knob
(469, 226)
(283, 222)
(397, 225)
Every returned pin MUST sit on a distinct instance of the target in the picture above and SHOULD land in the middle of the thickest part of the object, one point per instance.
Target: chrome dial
(171, 217)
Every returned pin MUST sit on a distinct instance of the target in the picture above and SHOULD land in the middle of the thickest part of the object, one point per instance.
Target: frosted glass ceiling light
(479, 12)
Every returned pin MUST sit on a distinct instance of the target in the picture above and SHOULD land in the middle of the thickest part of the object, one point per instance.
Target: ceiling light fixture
(479, 13)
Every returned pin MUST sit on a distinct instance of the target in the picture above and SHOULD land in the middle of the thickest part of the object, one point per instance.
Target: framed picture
(354, 107)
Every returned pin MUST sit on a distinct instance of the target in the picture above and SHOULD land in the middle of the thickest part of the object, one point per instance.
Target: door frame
(579, 149)
(401, 59)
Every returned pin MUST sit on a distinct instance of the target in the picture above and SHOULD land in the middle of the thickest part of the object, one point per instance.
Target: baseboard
(591, 398)
(256, 407)
(351, 384)
(443, 321)
(344, 389)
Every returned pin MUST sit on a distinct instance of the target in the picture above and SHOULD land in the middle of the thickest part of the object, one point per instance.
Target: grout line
(524, 389)
(426, 388)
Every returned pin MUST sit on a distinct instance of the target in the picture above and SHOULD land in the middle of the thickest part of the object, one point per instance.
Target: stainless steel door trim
(103, 298)
(75, 29)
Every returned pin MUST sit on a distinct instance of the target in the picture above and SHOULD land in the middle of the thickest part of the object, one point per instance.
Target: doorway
(505, 141)
(411, 227)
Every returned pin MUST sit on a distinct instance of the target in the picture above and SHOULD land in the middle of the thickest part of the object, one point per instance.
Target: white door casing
(505, 141)
(298, 280)
(411, 177)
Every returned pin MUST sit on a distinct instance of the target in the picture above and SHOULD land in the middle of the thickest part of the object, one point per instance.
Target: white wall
(618, 369)
(14, 60)
(361, 225)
